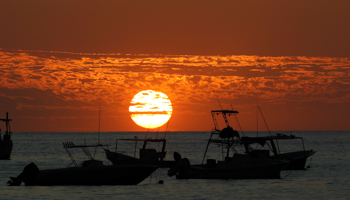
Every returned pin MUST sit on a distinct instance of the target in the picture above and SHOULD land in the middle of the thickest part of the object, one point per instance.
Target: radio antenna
(99, 119)
(219, 103)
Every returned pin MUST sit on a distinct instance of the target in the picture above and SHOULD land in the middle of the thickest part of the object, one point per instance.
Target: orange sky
(53, 91)
(291, 57)
(220, 27)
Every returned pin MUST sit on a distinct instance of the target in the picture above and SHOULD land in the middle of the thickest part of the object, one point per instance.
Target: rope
(310, 162)
(290, 171)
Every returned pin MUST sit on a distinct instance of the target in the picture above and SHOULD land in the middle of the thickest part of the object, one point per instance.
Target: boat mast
(8, 132)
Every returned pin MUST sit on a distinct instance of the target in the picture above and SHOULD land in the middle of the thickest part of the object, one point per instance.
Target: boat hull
(270, 171)
(121, 159)
(297, 160)
(107, 175)
(5, 149)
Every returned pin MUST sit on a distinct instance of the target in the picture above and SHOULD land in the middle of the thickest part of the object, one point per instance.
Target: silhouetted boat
(297, 159)
(146, 155)
(91, 172)
(5, 140)
(254, 164)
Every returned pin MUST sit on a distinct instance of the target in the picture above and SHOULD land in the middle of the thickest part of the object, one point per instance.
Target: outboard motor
(182, 164)
(29, 171)
(177, 156)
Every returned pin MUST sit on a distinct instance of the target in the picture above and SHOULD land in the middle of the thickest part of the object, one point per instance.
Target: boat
(297, 159)
(146, 155)
(5, 140)
(90, 172)
(254, 164)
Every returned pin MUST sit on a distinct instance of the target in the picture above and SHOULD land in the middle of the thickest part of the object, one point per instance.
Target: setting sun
(150, 109)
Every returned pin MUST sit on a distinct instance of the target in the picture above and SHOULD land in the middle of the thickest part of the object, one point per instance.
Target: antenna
(264, 120)
(99, 124)
(257, 120)
(149, 127)
(99, 119)
(237, 121)
(166, 129)
(219, 103)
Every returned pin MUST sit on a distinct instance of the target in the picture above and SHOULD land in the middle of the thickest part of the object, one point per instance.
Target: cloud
(54, 82)
(85, 78)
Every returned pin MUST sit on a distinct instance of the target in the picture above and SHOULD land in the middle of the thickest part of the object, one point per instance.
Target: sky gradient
(58, 58)
(236, 27)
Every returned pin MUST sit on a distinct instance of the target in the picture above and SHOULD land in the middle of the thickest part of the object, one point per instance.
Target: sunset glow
(150, 109)
(152, 72)
(51, 90)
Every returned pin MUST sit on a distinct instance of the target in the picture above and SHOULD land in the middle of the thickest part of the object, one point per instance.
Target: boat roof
(137, 139)
(224, 111)
(264, 138)
(72, 145)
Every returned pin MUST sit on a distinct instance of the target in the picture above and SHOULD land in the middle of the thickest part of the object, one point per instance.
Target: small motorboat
(91, 172)
(297, 159)
(239, 166)
(252, 164)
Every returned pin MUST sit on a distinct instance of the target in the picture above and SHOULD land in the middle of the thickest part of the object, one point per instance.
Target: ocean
(327, 178)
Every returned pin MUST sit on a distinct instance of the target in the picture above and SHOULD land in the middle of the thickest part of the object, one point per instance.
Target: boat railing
(70, 145)
(145, 141)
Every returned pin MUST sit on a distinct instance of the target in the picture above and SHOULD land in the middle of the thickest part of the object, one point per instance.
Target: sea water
(327, 178)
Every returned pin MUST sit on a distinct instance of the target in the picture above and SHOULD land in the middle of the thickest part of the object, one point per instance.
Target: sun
(150, 109)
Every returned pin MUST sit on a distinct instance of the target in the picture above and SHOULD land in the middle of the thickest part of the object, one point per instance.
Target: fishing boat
(297, 159)
(146, 155)
(90, 172)
(254, 164)
(5, 140)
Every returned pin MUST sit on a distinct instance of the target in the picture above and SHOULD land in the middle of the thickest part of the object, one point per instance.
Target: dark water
(328, 177)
